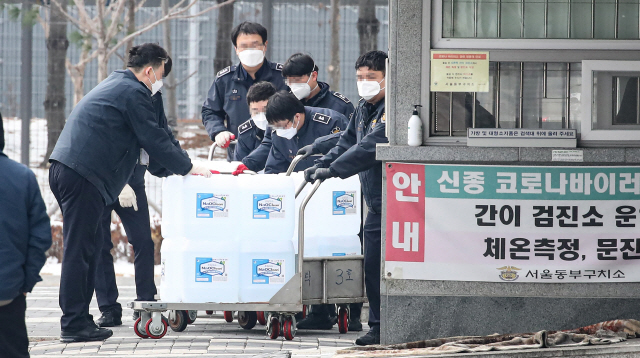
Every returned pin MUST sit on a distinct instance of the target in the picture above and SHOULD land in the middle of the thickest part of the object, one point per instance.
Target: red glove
(241, 168)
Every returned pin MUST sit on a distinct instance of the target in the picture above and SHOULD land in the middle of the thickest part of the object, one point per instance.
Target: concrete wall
(415, 310)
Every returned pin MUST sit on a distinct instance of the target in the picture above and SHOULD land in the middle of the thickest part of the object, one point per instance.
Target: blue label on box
(209, 269)
(344, 202)
(267, 272)
(268, 206)
(212, 205)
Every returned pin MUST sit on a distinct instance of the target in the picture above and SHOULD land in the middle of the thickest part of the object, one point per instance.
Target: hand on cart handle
(322, 174)
(200, 169)
(223, 139)
(307, 151)
(309, 172)
(241, 169)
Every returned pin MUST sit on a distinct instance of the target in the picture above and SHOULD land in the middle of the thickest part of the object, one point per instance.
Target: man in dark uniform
(225, 107)
(355, 153)
(133, 209)
(104, 137)
(295, 126)
(252, 132)
(301, 74)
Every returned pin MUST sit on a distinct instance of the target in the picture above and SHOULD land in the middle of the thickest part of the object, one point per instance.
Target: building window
(611, 101)
(521, 95)
(541, 19)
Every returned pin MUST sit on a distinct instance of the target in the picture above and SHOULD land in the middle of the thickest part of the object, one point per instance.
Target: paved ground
(209, 336)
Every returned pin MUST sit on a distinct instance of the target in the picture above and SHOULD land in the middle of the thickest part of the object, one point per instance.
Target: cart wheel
(209, 312)
(261, 318)
(179, 321)
(247, 319)
(274, 328)
(287, 329)
(228, 316)
(139, 328)
(343, 320)
(191, 316)
(157, 331)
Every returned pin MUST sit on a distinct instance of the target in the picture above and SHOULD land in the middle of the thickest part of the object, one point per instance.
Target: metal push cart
(318, 280)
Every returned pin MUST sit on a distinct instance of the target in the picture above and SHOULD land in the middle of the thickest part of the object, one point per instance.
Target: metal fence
(298, 26)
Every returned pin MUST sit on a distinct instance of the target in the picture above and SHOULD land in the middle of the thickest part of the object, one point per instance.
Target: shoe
(316, 322)
(372, 337)
(87, 334)
(109, 319)
(355, 325)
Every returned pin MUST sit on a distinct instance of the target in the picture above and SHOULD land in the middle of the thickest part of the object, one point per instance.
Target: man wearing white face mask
(98, 149)
(252, 132)
(295, 126)
(355, 153)
(225, 107)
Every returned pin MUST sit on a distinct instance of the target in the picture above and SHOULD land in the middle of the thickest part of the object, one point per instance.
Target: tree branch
(204, 11)
(170, 16)
(71, 19)
(181, 81)
(112, 31)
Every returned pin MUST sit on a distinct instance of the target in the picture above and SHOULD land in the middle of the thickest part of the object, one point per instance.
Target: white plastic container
(199, 271)
(265, 266)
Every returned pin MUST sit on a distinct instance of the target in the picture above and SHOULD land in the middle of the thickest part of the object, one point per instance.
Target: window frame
(440, 42)
(587, 133)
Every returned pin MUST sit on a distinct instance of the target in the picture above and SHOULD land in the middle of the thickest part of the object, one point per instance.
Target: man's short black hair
(283, 106)
(167, 66)
(1, 134)
(147, 54)
(260, 91)
(375, 60)
(248, 28)
(299, 64)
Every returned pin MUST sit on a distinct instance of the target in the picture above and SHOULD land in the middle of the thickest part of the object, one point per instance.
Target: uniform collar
(2, 154)
(128, 74)
(262, 74)
(308, 117)
(313, 101)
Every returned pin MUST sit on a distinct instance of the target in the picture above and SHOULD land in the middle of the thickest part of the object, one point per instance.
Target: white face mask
(287, 133)
(369, 89)
(155, 87)
(260, 120)
(251, 58)
(301, 90)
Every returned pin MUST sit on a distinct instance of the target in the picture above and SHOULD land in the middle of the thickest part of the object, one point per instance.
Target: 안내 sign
(560, 224)
(459, 71)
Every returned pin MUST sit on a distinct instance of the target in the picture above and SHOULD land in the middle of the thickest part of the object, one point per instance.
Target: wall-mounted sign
(518, 137)
(512, 223)
(459, 71)
(567, 156)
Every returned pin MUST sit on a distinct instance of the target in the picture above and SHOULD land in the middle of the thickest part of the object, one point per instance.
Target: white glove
(200, 168)
(128, 198)
(223, 139)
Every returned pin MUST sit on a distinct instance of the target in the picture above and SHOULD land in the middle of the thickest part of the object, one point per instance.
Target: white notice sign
(567, 156)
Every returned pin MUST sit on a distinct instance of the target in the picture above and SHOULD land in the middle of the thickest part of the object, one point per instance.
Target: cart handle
(213, 148)
(293, 164)
(300, 187)
(303, 205)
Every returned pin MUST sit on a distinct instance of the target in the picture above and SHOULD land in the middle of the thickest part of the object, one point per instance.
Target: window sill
(491, 155)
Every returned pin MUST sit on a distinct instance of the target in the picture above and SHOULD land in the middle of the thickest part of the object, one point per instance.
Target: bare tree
(131, 27)
(368, 26)
(102, 32)
(334, 63)
(223, 45)
(55, 100)
(172, 110)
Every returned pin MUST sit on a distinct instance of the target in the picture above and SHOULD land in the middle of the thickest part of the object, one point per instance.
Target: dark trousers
(14, 342)
(136, 225)
(82, 207)
(372, 234)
